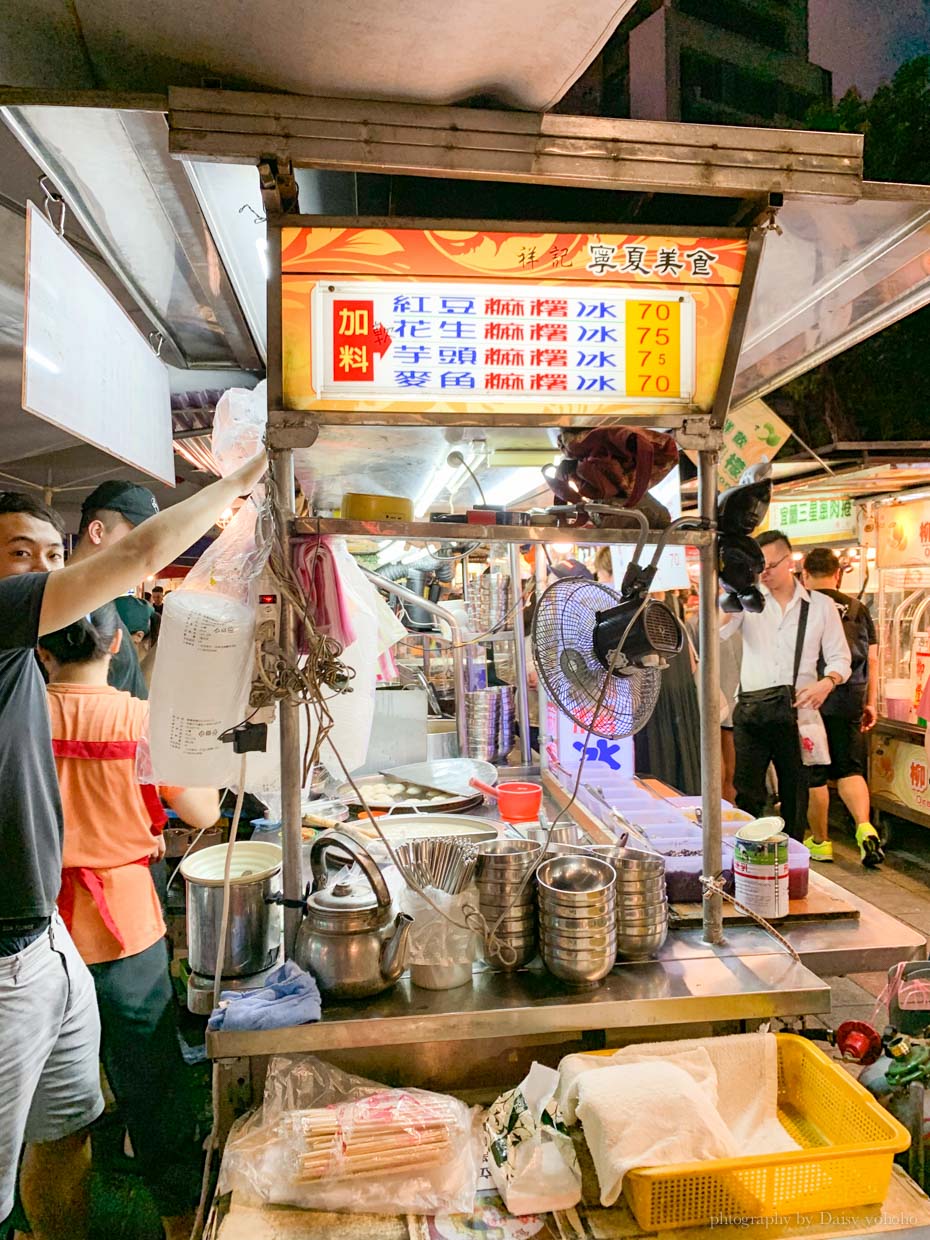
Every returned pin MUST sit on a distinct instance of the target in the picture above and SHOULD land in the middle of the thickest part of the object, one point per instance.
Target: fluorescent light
(446, 477)
(438, 482)
(518, 482)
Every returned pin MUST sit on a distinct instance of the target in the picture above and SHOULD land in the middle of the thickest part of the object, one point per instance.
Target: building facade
(725, 62)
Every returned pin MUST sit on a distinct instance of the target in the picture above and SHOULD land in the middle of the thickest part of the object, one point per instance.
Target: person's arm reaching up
(80, 588)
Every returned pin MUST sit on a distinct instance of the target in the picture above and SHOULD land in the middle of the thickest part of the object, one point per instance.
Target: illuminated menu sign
(486, 340)
(432, 322)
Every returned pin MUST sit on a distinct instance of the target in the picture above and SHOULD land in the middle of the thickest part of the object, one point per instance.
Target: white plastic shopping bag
(531, 1156)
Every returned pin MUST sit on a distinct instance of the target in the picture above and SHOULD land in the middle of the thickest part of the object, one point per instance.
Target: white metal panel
(86, 369)
(525, 53)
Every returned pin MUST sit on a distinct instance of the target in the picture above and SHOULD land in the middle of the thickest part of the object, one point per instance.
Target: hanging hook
(156, 340)
(52, 195)
(247, 206)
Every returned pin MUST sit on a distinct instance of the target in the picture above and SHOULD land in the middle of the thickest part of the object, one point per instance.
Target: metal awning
(185, 235)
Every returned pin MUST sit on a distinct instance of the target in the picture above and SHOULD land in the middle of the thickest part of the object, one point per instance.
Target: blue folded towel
(291, 997)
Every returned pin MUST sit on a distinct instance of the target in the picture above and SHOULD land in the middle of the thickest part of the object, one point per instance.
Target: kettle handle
(357, 853)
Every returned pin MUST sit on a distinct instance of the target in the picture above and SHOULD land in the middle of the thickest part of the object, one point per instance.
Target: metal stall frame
(695, 429)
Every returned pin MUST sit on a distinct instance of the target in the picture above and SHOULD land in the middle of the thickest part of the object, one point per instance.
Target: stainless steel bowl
(640, 900)
(587, 944)
(575, 877)
(506, 852)
(641, 946)
(525, 952)
(505, 891)
(577, 970)
(572, 908)
(602, 922)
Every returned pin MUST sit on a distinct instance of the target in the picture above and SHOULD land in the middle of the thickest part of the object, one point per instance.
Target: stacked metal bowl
(489, 602)
(577, 918)
(506, 715)
(642, 904)
(507, 902)
(482, 724)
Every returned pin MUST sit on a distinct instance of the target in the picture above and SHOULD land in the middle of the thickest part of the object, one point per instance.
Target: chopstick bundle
(446, 864)
(387, 1133)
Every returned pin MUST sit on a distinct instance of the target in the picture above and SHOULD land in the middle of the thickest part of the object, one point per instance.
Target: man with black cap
(108, 514)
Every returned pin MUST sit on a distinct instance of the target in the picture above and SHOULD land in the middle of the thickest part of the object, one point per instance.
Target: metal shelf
(903, 731)
(427, 531)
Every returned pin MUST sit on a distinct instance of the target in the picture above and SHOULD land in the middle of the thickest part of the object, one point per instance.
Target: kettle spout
(394, 951)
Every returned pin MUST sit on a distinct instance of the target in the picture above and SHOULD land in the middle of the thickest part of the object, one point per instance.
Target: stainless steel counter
(709, 986)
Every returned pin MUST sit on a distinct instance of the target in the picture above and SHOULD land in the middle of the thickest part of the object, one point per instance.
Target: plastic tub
(899, 699)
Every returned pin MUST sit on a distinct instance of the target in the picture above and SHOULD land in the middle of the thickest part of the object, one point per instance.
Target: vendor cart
(779, 257)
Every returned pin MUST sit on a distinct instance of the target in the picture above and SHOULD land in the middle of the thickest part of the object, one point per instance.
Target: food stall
(899, 760)
(349, 300)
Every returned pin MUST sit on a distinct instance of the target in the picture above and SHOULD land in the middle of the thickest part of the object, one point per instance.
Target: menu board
(538, 324)
(487, 340)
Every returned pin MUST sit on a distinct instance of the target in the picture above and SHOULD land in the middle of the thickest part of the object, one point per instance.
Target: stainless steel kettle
(347, 939)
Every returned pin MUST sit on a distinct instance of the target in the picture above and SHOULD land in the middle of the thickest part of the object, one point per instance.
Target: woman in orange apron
(113, 829)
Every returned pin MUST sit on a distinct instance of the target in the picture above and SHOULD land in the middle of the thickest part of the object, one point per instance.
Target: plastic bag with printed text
(325, 1140)
(205, 653)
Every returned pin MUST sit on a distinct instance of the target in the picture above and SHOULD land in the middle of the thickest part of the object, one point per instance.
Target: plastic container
(440, 976)
(848, 1140)
(899, 699)
(266, 831)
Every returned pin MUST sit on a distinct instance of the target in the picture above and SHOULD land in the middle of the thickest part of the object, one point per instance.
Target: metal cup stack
(482, 719)
(505, 721)
(446, 864)
(577, 918)
(510, 912)
(642, 903)
(489, 602)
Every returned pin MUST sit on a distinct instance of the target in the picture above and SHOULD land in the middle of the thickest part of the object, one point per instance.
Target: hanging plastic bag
(205, 653)
(325, 1140)
(442, 947)
(531, 1156)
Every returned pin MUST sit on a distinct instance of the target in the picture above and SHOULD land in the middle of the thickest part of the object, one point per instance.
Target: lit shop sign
(435, 322)
(501, 342)
(810, 519)
(903, 534)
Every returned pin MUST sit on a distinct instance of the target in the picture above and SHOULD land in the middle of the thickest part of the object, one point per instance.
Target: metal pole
(519, 657)
(458, 646)
(710, 698)
(541, 570)
(282, 464)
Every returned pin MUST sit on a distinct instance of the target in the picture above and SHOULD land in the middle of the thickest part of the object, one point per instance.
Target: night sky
(863, 41)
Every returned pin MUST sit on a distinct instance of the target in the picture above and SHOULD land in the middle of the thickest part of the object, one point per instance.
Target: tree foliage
(877, 390)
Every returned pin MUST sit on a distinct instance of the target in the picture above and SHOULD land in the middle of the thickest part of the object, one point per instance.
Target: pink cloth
(923, 709)
(316, 571)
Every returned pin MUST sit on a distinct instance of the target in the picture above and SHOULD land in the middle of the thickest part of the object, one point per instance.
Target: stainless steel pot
(253, 935)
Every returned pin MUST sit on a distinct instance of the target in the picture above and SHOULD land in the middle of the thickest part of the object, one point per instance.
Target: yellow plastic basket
(849, 1143)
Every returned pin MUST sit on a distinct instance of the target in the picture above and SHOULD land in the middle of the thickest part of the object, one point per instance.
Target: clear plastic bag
(531, 1156)
(434, 939)
(325, 1140)
(239, 426)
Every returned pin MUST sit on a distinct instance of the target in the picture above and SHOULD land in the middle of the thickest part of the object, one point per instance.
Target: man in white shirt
(777, 675)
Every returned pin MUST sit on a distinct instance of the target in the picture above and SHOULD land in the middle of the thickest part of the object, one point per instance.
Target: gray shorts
(49, 1049)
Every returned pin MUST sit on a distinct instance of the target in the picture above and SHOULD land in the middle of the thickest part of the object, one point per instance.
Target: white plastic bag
(205, 653)
(434, 939)
(815, 747)
(531, 1156)
(372, 1150)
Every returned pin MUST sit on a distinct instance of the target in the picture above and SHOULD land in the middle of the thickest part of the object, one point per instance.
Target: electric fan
(601, 654)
